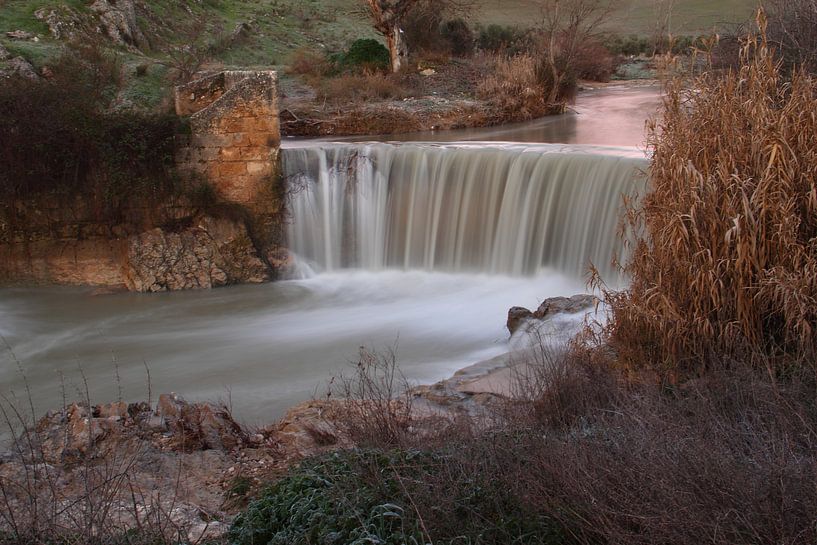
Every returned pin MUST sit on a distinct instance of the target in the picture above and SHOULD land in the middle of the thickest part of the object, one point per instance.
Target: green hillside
(265, 33)
(634, 16)
(282, 26)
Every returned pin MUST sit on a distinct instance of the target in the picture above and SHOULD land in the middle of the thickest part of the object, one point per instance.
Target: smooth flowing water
(420, 246)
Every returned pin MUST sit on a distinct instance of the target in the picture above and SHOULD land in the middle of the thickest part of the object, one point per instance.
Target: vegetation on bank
(60, 142)
(726, 266)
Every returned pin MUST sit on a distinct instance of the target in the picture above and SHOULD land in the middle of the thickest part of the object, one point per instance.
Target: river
(421, 247)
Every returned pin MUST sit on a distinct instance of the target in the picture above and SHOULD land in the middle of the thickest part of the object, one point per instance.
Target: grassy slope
(634, 16)
(285, 25)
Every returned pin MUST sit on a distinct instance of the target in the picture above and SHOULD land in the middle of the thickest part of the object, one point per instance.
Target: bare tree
(792, 28)
(566, 26)
(387, 15)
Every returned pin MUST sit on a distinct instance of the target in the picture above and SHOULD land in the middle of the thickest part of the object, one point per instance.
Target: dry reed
(726, 264)
(514, 87)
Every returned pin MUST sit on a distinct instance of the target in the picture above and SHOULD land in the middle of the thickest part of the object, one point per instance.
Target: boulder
(198, 426)
(20, 35)
(111, 410)
(63, 22)
(241, 32)
(21, 68)
(565, 305)
(518, 316)
(72, 434)
(118, 20)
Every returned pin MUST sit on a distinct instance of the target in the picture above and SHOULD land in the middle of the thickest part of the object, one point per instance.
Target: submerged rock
(519, 316)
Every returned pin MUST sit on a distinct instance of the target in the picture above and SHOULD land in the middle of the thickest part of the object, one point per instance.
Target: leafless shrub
(553, 387)
(377, 402)
(59, 484)
(793, 31)
(309, 63)
(320, 435)
(726, 459)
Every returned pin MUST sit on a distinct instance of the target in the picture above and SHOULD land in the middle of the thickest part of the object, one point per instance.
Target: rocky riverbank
(190, 467)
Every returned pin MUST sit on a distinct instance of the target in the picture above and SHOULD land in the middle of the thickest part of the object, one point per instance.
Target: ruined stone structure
(233, 146)
(234, 136)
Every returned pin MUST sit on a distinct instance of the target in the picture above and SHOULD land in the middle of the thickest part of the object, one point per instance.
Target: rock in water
(565, 305)
(518, 316)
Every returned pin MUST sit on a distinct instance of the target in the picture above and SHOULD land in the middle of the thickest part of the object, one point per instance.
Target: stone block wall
(233, 144)
(234, 134)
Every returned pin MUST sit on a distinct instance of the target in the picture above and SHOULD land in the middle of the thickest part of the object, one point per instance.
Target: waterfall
(491, 208)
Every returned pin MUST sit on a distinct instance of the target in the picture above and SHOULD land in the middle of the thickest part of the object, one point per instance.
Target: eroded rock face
(214, 252)
(118, 20)
(519, 316)
(19, 67)
(63, 22)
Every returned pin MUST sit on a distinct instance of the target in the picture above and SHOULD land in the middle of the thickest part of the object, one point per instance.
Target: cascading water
(512, 209)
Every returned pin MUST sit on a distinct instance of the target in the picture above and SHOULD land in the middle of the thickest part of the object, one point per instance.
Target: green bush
(390, 498)
(321, 502)
(631, 46)
(364, 54)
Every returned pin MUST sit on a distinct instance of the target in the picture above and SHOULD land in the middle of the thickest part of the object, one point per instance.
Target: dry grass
(377, 407)
(726, 265)
(513, 86)
(351, 89)
(580, 455)
(309, 63)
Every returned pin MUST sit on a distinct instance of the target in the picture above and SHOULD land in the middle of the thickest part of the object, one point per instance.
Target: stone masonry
(234, 136)
(233, 145)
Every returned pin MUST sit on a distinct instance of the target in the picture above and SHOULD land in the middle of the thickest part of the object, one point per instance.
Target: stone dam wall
(232, 145)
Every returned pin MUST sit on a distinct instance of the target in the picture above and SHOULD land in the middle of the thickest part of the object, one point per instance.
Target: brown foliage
(513, 86)
(726, 263)
(310, 63)
(359, 88)
(726, 459)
